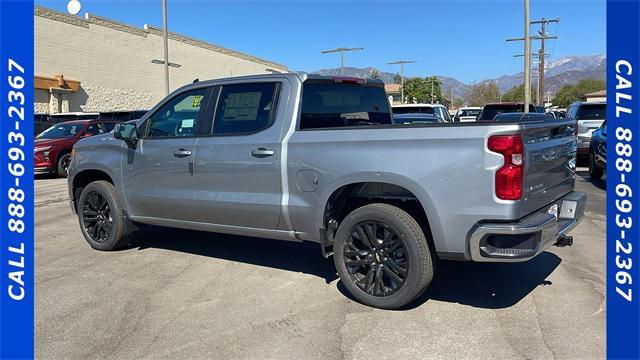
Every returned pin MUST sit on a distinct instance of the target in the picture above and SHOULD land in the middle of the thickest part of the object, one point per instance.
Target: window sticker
(187, 123)
(242, 106)
(196, 101)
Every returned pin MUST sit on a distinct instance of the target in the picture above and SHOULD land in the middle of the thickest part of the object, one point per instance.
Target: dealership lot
(198, 295)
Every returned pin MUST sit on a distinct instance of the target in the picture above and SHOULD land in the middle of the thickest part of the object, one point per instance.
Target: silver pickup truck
(307, 158)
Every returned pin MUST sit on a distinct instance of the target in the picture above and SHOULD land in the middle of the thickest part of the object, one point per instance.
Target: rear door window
(331, 105)
(592, 112)
(245, 108)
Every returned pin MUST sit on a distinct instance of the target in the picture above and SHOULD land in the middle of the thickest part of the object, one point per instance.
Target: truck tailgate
(550, 163)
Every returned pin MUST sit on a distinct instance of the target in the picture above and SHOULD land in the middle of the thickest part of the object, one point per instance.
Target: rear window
(328, 105)
(490, 111)
(414, 110)
(469, 112)
(592, 112)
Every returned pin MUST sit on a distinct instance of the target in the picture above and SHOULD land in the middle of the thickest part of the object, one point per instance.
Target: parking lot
(200, 295)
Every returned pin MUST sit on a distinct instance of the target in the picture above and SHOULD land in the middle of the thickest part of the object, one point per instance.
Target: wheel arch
(388, 188)
(83, 178)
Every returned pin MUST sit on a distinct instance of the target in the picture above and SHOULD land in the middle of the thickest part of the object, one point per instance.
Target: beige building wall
(112, 61)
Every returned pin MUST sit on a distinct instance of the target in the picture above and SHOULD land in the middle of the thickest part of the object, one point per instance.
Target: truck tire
(392, 270)
(63, 165)
(101, 217)
(594, 171)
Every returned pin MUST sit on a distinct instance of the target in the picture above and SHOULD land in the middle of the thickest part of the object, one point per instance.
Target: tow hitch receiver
(564, 240)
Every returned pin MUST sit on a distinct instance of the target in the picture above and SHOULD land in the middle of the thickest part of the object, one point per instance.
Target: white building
(96, 64)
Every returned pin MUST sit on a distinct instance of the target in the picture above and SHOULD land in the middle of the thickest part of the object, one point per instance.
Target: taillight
(510, 176)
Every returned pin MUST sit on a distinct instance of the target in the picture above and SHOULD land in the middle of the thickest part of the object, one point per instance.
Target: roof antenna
(196, 80)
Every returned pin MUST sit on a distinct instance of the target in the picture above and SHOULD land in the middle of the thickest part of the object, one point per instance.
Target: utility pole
(527, 56)
(341, 50)
(432, 91)
(543, 36)
(401, 63)
(166, 46)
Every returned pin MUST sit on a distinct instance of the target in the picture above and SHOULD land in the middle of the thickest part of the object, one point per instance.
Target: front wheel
(63, 165)
(382, 256)
(101, 217)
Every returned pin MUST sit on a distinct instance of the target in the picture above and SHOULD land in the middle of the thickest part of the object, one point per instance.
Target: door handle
(262, 152)
(182, 153)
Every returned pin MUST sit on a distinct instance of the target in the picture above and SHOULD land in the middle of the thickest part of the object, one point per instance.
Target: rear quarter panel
(445, 167)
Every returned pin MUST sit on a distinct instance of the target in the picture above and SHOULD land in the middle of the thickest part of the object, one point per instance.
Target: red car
(52, 148)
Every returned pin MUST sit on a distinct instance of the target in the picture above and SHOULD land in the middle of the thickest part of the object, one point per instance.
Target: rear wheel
(382, 256)
(101, 217)
(63, 165)
(595, 172)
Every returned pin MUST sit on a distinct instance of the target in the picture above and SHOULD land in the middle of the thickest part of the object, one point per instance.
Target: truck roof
(301, 76)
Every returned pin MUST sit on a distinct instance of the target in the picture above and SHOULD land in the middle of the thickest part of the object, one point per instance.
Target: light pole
(401, 63)
(341, 51)
(166, 46)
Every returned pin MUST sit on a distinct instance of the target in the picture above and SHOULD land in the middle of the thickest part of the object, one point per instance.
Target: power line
(341, 50)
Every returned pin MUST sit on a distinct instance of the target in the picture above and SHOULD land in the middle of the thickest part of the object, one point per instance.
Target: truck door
(159, 173)
(238, 164)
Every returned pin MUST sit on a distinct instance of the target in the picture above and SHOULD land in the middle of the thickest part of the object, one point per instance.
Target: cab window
(245, 108)
(178, 117)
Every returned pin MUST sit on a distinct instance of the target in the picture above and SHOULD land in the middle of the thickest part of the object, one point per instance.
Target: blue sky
(461, 39)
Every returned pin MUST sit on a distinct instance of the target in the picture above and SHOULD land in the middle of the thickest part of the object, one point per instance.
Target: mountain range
(563, 71)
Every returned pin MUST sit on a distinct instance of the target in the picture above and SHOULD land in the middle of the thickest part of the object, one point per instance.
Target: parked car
(121, 116)
(467, 114)
(491, 110)
(598, 152)
(407, 119)
(529, 117)
(42, 122)
(590, 116)
(308, 158)
(437, 109)
(560, 113)
(52, 147)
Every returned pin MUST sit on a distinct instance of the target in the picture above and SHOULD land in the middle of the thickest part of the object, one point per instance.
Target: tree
(415, 89)
(374, 74)
(483, 93)
(419, 89)
(457, 103)
(397, 79)
(570, 93)
(516, 94)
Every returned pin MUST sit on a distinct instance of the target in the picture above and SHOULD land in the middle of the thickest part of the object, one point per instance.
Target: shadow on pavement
(302, 257)
(483, 285)
(584, 177)
(44, 176)
(489, 285)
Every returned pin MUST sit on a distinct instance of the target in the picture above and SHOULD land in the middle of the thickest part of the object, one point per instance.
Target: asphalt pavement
(185, 294)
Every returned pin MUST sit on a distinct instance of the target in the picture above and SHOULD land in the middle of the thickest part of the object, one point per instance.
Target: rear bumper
(524, 239)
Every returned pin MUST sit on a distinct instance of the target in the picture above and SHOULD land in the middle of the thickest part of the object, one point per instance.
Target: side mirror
(127, 132)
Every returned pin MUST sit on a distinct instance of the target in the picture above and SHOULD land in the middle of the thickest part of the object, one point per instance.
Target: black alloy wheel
(382, 256)
(63, 165)
(97, 218)
(376, 258)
